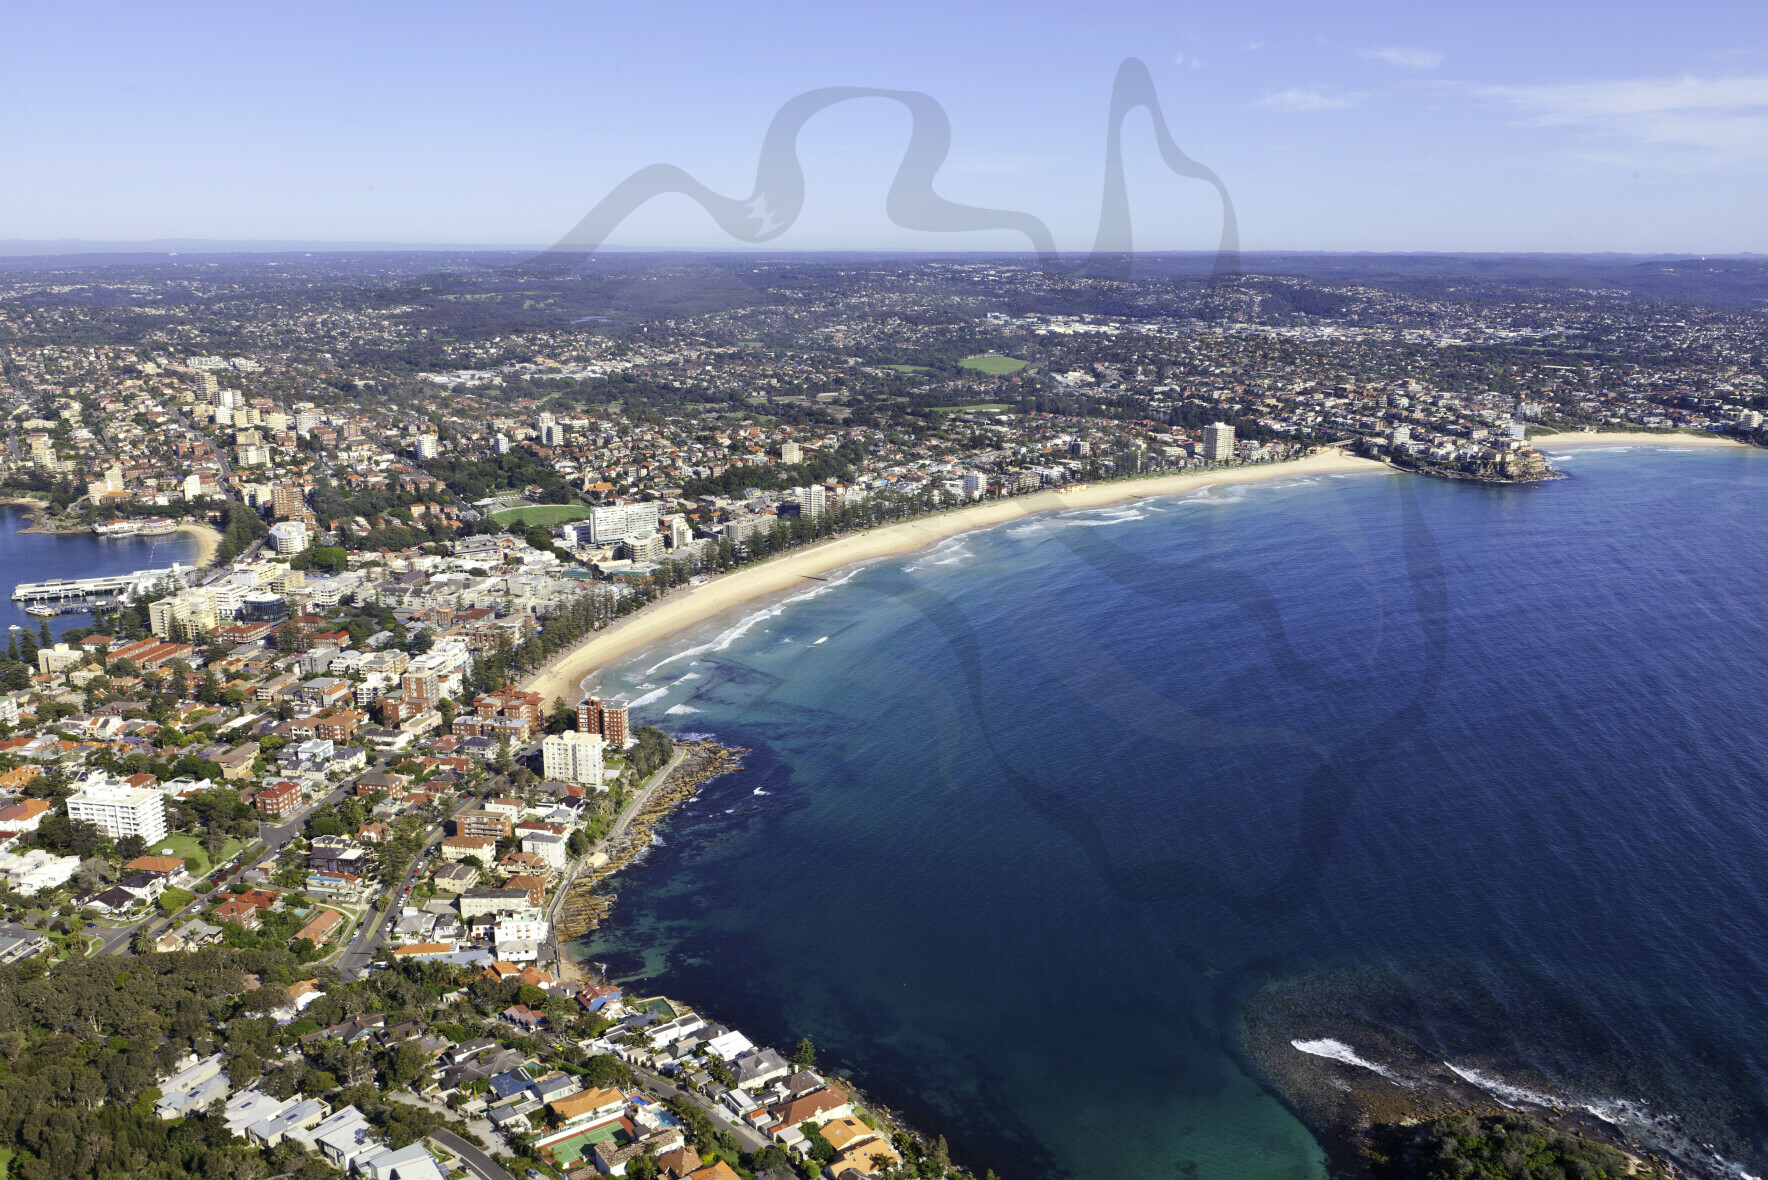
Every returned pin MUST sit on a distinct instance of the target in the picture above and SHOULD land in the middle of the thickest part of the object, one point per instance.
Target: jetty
(582, 909)
(89, 590)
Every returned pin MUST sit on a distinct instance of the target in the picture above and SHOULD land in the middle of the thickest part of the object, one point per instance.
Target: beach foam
(716, 595)
(1504, 1090)
(1339, 1051)
(744, 625)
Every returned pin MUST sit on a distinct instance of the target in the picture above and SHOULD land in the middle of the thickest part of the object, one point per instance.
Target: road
(749, 1137)
(273, 838)
(112, 939)
(372, 934)
(220, 455)
(551, 948)
(475, 1160)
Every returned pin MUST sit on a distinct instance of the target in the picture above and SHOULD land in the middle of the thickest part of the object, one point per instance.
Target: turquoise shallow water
(1028, 816)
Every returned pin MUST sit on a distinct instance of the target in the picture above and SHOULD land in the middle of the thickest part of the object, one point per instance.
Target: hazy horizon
(171, 247)
(1385, 128)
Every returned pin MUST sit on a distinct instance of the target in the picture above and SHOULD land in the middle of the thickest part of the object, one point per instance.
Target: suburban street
(475, 1160)
(749, 1137)
(371, 935)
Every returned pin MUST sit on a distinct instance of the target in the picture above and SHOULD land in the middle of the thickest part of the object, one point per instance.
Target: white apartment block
(1218, 441)
(573, 757)
(289, 536)
(525, 925)
(120, 810)
(546, 846)
(617, 522)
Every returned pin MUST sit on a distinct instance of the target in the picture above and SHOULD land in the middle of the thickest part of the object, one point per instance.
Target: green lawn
(185, 845)
(992, 364)
(909, 368)
(541, 514)
(979, 408)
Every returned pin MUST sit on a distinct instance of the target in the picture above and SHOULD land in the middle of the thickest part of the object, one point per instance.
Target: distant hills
(1734, 280)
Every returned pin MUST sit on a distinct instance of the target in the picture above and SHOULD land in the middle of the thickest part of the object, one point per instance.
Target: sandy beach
(684, 608)
(208, 541)
(1577, 438)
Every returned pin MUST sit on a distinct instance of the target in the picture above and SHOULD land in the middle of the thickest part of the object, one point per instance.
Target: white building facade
(573, 757)
(119, 810)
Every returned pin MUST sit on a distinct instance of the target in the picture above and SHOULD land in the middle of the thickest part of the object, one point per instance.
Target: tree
(821, 1149)
(940, 1156)
(503, 762)
(804, 1056)
(560, 1011)
(173, 900)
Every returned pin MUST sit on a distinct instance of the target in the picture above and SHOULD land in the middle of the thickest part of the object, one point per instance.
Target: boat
(157, 527)
(117, 528)
(47, 612)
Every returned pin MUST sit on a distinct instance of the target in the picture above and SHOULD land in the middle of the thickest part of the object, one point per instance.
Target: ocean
(1030, 819)
(39, 557)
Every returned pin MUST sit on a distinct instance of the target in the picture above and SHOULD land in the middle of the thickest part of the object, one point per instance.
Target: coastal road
(749, 1137)
(475, 1160)
(638, 800)
(551, 948)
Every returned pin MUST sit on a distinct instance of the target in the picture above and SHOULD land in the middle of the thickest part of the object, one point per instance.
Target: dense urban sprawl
(285, 838)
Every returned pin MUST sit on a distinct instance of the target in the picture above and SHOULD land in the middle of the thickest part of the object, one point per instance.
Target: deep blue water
(38, 557)
(1029, 816)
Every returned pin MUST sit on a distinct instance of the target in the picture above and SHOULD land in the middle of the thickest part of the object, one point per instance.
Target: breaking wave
(1339, 1051)
(743, 625)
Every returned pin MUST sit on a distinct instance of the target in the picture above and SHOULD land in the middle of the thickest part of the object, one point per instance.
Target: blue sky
(1375, 126)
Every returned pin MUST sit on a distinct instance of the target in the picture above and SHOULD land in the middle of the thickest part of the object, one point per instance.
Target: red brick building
(608, 718)
(279, 800)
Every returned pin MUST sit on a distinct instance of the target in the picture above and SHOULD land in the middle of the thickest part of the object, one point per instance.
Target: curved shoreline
(685, 608)
(1580, 438)
(208, 542)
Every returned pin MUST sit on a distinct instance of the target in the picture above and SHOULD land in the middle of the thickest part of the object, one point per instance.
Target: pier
(111, 586)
